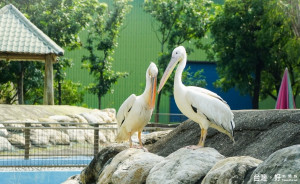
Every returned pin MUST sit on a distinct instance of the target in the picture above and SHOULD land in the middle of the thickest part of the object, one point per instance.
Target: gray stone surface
(57, 137)
(73, 180)
(34, 112)
(91, 173)
(135, 169)
(232, 170)
(106, 175)
(3, 132)
(283, 166)
(5, 145)
(258, 133)
(16, 140)
(184, 166)
(40, 138)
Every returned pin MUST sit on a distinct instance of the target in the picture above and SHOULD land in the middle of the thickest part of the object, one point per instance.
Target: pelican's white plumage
(200, 105)
(135, 112)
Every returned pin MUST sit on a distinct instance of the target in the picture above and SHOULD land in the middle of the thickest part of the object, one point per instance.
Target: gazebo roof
(19, 36)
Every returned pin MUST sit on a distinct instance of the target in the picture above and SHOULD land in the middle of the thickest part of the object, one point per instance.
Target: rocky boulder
(258, 134)
(231, 170)
(5, 145)
(283, 166)
(91, 173)
(118, 164)
(76, 135)
(73, 180)
(13, 117)
(39, 138)
(184, 166)
(130, 166)
(57, 137)
(3, 132)
(16, 140)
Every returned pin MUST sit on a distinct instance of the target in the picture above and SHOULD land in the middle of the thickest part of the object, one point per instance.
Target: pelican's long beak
(152, 92)
(167, 73)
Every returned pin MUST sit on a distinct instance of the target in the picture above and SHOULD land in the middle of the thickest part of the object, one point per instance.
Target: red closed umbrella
(285, 99)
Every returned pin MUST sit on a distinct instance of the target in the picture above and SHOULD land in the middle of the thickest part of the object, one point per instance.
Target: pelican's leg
(203, 137)
(140, 138)
(130, 141)
(201, 141)
(140, 141)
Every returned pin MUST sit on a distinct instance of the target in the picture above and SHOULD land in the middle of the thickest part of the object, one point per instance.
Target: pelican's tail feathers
(122, 135)
(220, 129)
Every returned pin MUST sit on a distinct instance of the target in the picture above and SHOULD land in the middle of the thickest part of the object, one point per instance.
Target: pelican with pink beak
(200, 105)
(135, 112)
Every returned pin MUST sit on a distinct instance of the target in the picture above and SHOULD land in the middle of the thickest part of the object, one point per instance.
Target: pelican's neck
(179, 70)
(147, 91)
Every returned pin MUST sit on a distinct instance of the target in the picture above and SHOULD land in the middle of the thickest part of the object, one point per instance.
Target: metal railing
(56, 144)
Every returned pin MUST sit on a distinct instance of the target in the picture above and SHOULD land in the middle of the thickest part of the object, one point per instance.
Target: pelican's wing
(212, 106)
(210, 93)
(125, 109)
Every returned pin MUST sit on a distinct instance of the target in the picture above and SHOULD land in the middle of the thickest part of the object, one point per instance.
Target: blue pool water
(51, 161)
(41, 176)
(36, 177)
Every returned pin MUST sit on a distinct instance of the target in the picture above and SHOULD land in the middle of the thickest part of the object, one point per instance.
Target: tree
(61, 20)
(292, 9)
(249, 39)
(102, 37)
(177, 22)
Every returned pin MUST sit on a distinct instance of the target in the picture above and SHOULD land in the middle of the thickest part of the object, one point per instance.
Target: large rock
(76, 135)
(5, 145)
(110, 134)
(79, 119)
(184, 166)
(3, 132)
(15, 126)
(283, 166)
(258, 133)
(62, 118)
(34, 112)
(90, 118)
(232, 170)
(102, 116)
(73, 180)
(111, 113)
(135, 169)
(91, 173)
(39, 138)
(57, 137)
(47, 122)
(106, 175)
(153, 137)
(89, 137)
(17, 140)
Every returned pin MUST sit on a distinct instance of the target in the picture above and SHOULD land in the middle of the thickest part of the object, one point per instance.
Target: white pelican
(199, 104)
(136, 111)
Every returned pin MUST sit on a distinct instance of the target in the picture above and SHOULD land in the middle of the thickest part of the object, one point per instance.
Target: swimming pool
(36, 177)
(32, 171)
(50, 161)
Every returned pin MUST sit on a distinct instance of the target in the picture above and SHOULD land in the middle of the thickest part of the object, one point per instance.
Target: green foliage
(177, 22)
(251, 39)
(102, 37)
(70, 93)
(194, 79)
(292, 10)
(7, 93)
(61, 20)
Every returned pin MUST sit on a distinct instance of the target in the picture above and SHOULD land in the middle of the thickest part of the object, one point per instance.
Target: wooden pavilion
(20, 40)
